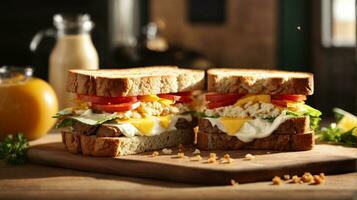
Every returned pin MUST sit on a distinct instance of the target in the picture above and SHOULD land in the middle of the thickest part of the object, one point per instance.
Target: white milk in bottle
(74, 49)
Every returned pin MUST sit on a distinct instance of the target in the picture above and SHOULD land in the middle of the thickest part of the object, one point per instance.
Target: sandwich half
(257, 109)
(129, 111)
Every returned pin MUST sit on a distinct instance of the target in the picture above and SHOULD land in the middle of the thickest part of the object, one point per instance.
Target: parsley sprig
(13, 149)
(336, 135)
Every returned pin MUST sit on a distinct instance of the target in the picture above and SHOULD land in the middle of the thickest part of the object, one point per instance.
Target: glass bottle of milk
(74, 49)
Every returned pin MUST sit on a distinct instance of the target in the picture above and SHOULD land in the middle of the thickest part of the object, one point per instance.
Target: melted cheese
(248, 130)
(149, 126)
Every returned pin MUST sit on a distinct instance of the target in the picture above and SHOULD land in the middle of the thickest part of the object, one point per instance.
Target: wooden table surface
(41, 182)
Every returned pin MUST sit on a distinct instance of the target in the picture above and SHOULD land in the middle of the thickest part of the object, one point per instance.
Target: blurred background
(300, 35)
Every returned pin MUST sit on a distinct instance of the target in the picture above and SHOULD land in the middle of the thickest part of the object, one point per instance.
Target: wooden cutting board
(267, 164)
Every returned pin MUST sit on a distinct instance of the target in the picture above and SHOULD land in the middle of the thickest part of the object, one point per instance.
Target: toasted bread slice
(292, 126)
(118, 146)
(258, 81)
(135, 81)
(298, 142)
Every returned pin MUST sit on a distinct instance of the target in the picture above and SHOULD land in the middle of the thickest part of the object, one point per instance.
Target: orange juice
(27, 106)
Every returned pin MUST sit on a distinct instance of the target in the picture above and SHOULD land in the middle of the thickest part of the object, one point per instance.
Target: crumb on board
(155, 153)
(181, 155)
(196, 158)
(319, 179)
(234, 182)
(166, 151)
(249, 157)
(307, 177)
(197, 151)
(226, 159)
(286, 177)
(277, 180)
(296, 179)
(212, 158)
(212, 155)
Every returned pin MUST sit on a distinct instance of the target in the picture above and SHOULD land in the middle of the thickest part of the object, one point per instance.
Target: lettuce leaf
(88, 117)
(64, 112)
(336, 135)
(308, 111)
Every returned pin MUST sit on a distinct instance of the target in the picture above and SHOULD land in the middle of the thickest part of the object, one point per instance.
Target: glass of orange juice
(27, 104)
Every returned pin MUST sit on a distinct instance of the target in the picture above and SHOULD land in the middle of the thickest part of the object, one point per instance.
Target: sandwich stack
(257, 109)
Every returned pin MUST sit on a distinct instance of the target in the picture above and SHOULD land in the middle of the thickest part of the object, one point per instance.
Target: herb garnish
(13, 149)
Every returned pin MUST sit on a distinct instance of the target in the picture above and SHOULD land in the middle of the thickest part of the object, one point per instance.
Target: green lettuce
(308, 111)
(335, 135)
(88, 117)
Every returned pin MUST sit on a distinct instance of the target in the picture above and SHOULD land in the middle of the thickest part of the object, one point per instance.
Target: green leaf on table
(13, 149)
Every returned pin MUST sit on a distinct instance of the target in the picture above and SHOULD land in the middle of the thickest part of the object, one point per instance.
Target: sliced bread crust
(119, 146)
(134, 81)
(298, 142)
(258, 81)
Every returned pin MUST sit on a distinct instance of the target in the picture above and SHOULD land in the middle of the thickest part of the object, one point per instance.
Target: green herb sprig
(13, 149)
(335, 135)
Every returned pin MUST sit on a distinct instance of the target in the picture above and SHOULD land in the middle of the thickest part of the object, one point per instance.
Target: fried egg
(149, 126)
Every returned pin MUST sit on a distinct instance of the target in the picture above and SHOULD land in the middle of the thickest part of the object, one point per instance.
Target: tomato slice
(184, 99)
(116, 107)
(217, 104)
(290, 97)
(280, 103)
(169, 96)
(218, 97)
(106, 100)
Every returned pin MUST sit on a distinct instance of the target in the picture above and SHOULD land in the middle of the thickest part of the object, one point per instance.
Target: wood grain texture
(41, 182)
(323, 158)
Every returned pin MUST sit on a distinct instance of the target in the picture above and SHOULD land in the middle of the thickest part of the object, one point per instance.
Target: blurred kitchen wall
(246, 38)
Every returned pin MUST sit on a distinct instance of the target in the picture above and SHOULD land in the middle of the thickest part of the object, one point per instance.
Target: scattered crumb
(286, 177)
(234, 183)
(319, 179)
(181, 155)
(322, 175)
(277, 180)
(249, 157)
(226, 159)
(197, 151)
(296, 179)
(213, 155)
(154, 154)
(167, 151)
(307, 177)
(196, 158)
(211, 160)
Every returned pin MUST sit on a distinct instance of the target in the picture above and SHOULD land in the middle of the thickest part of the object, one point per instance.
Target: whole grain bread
(291, 126)
(134, 81)
(118, 146)
(258, 81)
(298, 142)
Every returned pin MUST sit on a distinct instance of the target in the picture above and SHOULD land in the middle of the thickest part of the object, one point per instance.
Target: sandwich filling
(146, 115)
(250, 117)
